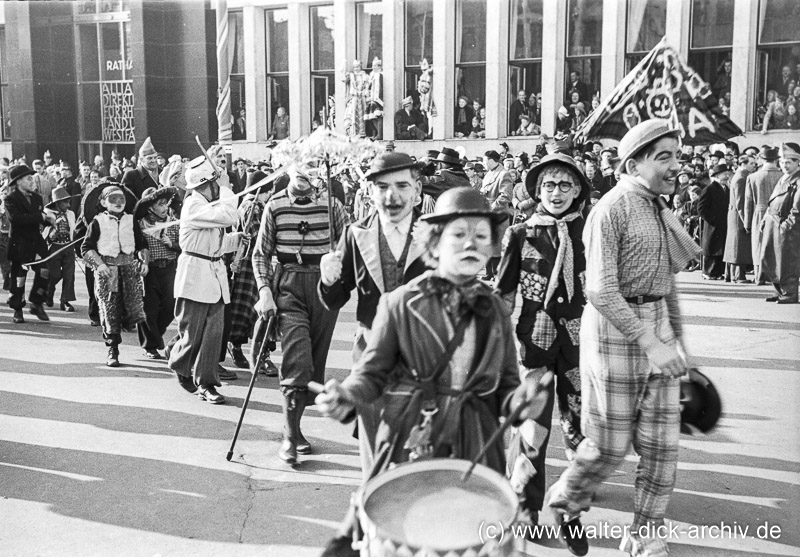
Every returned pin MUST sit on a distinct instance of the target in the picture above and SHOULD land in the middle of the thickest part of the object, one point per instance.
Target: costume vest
(116, 235)
(392, 268)
(300, 227)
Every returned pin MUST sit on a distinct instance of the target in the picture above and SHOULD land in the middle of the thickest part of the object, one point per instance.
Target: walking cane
(254, 367)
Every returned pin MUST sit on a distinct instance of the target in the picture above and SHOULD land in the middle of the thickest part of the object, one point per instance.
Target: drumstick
(512, 418)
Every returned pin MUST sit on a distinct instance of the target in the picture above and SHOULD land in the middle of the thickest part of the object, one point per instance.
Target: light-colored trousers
(196, 353)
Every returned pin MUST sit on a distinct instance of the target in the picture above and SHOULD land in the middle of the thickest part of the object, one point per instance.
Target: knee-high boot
(291, 417)
(303, 446)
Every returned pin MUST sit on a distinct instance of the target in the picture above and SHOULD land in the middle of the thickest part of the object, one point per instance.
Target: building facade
(88, 77)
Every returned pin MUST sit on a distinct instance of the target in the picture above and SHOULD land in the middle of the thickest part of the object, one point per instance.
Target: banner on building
(661, 86)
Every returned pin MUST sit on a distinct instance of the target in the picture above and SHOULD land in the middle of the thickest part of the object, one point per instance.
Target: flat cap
(642, 135)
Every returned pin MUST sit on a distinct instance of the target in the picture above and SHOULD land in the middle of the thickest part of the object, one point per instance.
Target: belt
(162, 263)
(639, 300)
(203, 256)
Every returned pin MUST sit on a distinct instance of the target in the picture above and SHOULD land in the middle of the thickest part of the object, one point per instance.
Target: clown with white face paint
(544, 259)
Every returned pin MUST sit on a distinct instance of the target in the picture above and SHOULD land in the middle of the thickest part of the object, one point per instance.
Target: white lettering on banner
(117, 102)
(117, 65)
(698, 120)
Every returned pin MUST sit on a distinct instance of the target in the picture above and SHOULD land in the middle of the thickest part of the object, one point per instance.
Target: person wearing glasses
(544, 259)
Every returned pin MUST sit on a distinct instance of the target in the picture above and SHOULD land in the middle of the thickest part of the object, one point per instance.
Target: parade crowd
(439, 251)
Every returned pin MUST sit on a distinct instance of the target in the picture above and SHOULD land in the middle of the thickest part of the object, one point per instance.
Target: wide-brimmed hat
(90, 205)
(768, 153)
(19, 171)
(60, 193)
(556, 158)
(200, 171)
(450, 156)
(642, 135)
(701, 406)
(718, 169)
(389, 162)
(462, 202)
(150, 196)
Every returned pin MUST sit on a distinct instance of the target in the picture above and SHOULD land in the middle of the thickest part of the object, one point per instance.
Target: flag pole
(224, 126)
(329, 186)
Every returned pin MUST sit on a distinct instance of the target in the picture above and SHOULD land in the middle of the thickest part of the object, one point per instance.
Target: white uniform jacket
(203, 233)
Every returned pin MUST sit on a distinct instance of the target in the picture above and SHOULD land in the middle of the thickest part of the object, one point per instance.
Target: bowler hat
(389, 162)
(431, 154)
(768, 153)
(150, 196)
(642, 135)
(701, 406)
(60, 193)
(450, 156)
(462, 202)
(718, 169)
(556, 158)
(19, 171)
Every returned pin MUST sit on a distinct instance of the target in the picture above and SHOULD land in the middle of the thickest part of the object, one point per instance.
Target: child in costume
(60, 235)
(117, 251)
(154, 209)
(544, 258)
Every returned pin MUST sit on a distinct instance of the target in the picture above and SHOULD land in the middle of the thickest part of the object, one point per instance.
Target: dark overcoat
(137, 180)
(737, 243)
(712, 206)
(25, 238)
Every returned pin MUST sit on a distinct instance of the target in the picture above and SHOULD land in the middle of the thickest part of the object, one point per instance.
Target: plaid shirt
(626, 256)
(158, 249)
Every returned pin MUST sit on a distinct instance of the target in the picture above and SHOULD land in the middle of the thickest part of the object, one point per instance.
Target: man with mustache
(375, 256)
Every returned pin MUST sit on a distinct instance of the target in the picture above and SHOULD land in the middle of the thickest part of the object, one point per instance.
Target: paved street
(99, 461)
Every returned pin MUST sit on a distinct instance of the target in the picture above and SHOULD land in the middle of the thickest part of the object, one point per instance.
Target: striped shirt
(293, 225)
(626, 256)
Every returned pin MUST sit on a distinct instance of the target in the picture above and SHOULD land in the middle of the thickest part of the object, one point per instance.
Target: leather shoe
(771, 298)
(303, 446)
(787, 300)
(226, 375)
(743, 281)
(38, 311)
(66, 306)
(238, 356)
(113, 357)
(187, 383)
(210, 394)
(18, 317)
(153, 354)
(269, 369)
(288, 452)
(574, 536)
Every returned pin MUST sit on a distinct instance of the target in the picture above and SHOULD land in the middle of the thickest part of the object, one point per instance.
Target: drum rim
(436, 464)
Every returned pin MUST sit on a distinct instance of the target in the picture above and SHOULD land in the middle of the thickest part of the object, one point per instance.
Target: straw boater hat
(462, 202)
(60, 193)
(556, 158)
(150, 196)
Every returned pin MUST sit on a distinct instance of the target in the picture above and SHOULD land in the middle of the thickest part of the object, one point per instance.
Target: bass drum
(423, 508)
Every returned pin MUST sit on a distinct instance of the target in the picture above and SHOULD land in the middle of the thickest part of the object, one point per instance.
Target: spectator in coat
(517, 109)
(409, 123)
(713, 210)
(758, 189)
(240, 176)
(463, 117)
(737, 243)
(145, 175)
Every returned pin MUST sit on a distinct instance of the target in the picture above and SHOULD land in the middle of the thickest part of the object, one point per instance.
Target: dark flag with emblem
(661, 86)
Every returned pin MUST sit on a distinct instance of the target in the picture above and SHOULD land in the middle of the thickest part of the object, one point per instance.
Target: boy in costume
(58, 236)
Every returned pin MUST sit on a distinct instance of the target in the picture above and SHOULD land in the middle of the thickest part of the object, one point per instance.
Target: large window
(470, 58)
(711, 42)
(236, 61)
(277, 25)
(369, 32)
(525, 57)
(778, 62)
(584, 45)
(5, 107)
(647, 22)
(322, 65)
(419, 43)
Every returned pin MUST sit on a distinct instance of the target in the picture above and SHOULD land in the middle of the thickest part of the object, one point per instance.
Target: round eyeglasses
(564, 187)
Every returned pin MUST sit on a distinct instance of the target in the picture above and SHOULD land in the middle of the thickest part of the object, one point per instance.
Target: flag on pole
(661, 86)
(224, 119)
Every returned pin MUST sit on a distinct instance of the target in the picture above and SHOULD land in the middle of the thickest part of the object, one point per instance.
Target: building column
(612, 60)
(255, 64)
(554, 39)
(743, 65)
(299, 70)
(444, 70)
(344, 47)
(497, 18)
(394, 63)
(679, 19)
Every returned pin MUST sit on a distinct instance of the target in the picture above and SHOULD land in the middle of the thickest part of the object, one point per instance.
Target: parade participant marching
(159, 299)
(441, 350)
(117, 251)
(544, 257)
(244, 292)
(630, 341)
(375, 256)
(295, 228)
(780, 230)
(59, 236)
(758, 189)
(201, 281)
(25, 210)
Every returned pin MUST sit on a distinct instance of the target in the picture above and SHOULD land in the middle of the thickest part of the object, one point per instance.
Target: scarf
(680, 246)
(564, 256)
(459, 300)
